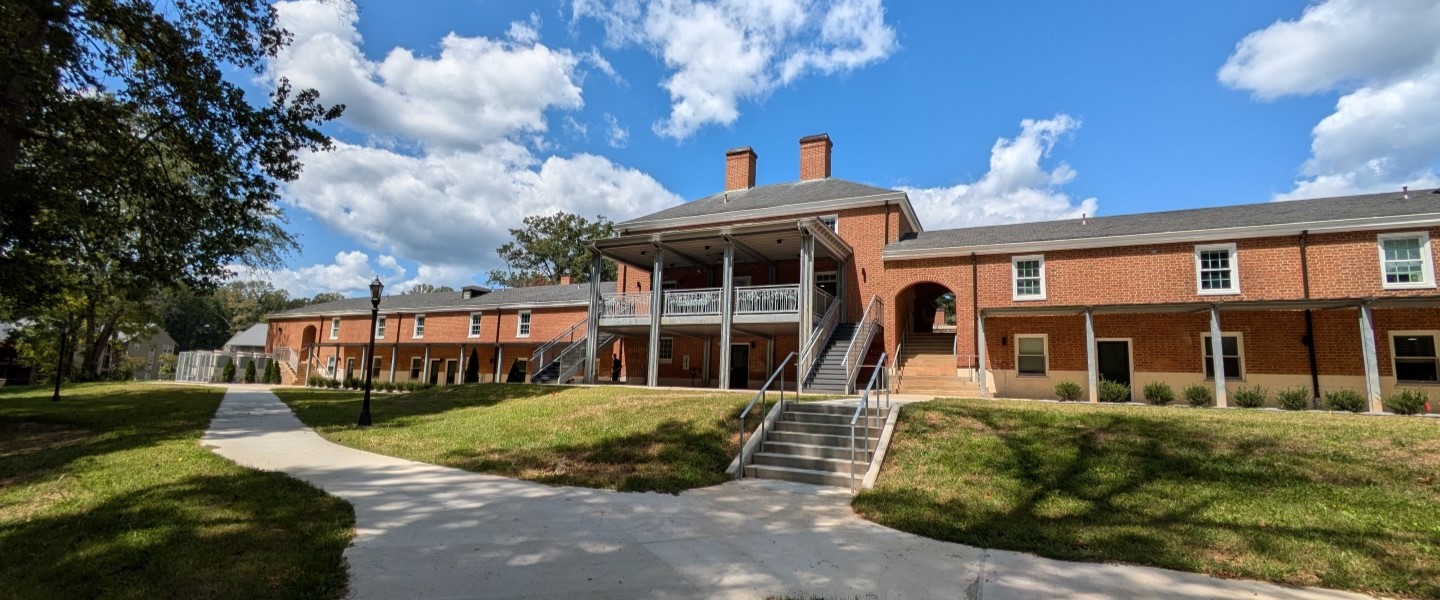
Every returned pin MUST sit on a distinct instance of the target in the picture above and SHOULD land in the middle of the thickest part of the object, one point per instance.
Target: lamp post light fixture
(375, 288)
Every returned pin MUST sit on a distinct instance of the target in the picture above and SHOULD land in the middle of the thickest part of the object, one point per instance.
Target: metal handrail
(761, 397)
(822, 300)
(864, 408)
(568, 368)
(537, 357)
(818, 338)
(864, 334)
(896, 370)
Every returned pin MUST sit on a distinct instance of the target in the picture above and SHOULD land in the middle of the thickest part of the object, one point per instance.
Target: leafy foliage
(1113, 391)
(1349, 400)
(227, 373)
(1407, 402)
(1250, 396)
(426, 288)
(1069, 391)
(1295, 398)
(1198, 395)
(550, 246)
(1158, 393)
(249, 371)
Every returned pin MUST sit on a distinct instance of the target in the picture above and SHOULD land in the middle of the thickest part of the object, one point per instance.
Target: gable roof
(252, 336)
(545, 295)
(1344, 213)
(773, 200)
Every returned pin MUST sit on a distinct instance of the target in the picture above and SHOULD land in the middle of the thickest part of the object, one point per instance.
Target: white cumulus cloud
(349, 274)
(1384, 59)
(720, 52)
(1018, 187)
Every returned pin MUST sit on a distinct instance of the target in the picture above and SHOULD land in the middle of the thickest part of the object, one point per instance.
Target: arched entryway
(926, 307)
(929, 360)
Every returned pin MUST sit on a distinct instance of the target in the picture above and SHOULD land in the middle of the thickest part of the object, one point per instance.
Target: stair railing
(818, 339)
(570, 363)
(864, 409)
(762, 398)
(864, 334)
(896, 368)
(549, 351)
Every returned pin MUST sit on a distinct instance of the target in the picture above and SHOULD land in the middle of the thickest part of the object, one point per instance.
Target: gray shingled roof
(1389, 204)
(548, 294)
(253, 336)
(794, 193)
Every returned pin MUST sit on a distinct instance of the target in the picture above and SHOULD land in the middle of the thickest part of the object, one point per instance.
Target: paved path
(425, 531)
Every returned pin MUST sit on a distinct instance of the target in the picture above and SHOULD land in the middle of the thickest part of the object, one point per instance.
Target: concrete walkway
(425, 531)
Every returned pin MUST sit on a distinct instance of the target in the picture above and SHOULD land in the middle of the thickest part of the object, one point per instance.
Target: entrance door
(450, 372)
(828, 281)
(1113, 360)
(739, 366)
(434, 371)
(517, 371)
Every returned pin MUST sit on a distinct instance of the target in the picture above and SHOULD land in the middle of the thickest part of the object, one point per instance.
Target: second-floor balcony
(751, 304)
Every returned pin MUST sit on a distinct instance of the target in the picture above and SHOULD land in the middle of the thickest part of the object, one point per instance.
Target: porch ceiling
(642, 332)
(764, 242)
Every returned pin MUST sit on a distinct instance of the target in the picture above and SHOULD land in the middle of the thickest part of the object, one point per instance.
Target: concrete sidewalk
(425, 531)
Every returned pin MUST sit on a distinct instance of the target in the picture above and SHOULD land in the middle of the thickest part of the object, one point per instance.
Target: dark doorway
(517, 371)
(739, 366)
(450, 372)
(1113, 360)
(434, 371)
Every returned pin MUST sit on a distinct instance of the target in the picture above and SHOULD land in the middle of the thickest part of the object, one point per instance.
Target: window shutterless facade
(1230, 354)
(474, 325)
(1414, 355)
(375, 367)
(416, 364)
(1405, 261)
(335, 328)
(522, 324)
(667, 349)
(1027, 274)
(1030, 355)
(1216, 269)
(380, 327)
(419, 332)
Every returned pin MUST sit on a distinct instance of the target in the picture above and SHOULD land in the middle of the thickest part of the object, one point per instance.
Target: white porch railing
(289, 357)
(759, 299)
(762, 299)
(625, 304)
(692, 302)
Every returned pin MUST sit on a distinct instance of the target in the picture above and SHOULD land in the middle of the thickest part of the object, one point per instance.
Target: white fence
(206, 366)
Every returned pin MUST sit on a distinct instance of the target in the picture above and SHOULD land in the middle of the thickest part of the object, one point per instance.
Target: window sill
(1027, 298)
(1032, 375)
(666, 361)
(1424, 383)
(1218, 292)
(1407, 286)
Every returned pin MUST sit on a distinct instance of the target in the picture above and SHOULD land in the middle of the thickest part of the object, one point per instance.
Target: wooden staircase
(810, 443)
(927, 366)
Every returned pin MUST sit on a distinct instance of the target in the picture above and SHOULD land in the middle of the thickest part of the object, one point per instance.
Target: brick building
(822, 275)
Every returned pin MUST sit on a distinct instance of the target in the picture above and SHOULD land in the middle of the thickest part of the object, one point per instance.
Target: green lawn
(1337, 501)
(108, 494)
(602, 437)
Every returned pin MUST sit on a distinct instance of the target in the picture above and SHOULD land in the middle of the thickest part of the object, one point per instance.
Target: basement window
(1415, 360)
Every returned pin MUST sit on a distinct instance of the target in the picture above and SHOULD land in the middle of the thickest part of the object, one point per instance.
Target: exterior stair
(810, 443)
(927, 366)
(289, 376)
(829, 374)
(568, 362)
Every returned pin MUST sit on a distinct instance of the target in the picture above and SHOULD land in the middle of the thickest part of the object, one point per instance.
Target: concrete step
(824, 418)
(826, 428)
(799, 475)
(811, 450)
(815, 407)
(831, 465)
(815, 439)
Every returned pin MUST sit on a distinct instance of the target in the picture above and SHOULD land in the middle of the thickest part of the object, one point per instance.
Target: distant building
(12, 371)
(151, 350)
(250, 340)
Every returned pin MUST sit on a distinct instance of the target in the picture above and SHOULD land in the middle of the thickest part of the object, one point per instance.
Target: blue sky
(466, 116)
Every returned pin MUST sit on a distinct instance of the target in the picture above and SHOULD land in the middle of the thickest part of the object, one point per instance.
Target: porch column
(657, 299)
(1217, 360)
(592, 324)
(727, 305)
(807, 288)
(460, 375)
(1372, 362)
(842, 283)
(499, 361)
(1092, 371)
(980, 355)
(394, 351)
(425, 367)
(705, 362)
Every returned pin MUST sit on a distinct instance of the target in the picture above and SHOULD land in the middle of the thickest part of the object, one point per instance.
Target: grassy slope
(1334, 501)
(614, 438)
(109, 494)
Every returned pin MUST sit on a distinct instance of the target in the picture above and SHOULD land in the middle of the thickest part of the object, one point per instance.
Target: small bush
(388, 386)
(227, 374)
(1158, 393)
(1112, 391)
(1198, 395)
(1250, 397)
(250, 372)
(1407, 402)
(333, 384)
(1350, 400)
(1069, 391)
(1296, 398)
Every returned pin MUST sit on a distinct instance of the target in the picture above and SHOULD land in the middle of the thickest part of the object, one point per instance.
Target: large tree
(549, 247)
(121, 138)
(427, 288)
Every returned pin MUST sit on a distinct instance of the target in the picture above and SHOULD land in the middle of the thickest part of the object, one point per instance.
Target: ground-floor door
(517, 371)
(739, 366)
(434, 371)
(1112, 358)
(450, 372)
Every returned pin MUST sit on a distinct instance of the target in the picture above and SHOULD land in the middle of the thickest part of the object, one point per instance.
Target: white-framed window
(831, 221)
(375, 366)
(1217, 270)
(667, 349)
(1414, 356)
(380, 327)
(419, 331)
(330, 364)
(416, 364)
(1232, 354)
(1028, 274)
(1032, 355)
(1405, 261)
(475, 325)
(522, 325)
(335, 328)
(828, 281)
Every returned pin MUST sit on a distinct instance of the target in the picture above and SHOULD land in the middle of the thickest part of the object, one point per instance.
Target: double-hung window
(1405, 261)
(335, 328)
(831, 221)
(375, 366)
(1216, 270)
(1229, 355)
(419, 332)
(475, 325)
(667, 349)
(1028, 274)
(522, 325)
(1415, 360)
(380, 327)
(416, 363)
(1030, 355)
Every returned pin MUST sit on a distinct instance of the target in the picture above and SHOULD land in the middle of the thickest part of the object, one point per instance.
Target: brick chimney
(565, 279)
(815, 157)
(739, 169)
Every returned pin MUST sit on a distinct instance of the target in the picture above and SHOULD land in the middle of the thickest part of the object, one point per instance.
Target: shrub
(1296, 398)
(227, 374)
(332, 384)
(388, 386)
(250, 371)
(1350, 400)
(1158, 393)
(1250, 397)
(1407, 402)
(1069, 391)
(1113, 391)
(1198, 395)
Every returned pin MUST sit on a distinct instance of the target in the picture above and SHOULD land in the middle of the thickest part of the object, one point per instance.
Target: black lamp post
(375, 288)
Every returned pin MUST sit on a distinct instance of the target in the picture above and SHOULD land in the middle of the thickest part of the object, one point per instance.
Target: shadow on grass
(339, 408)
(1188, 494)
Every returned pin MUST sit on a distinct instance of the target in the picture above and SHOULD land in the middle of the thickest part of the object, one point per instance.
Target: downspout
(1309, 317)
(887, 224)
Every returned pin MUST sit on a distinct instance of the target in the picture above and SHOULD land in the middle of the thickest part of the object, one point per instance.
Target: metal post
(1092, 370)
(394, 352)
(980, 354)
(60, 362)
(657, 300)
(592, 326)
(1368, 355)
(369, 354)
(1217, 360)
(727, 296)
(425, 366)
